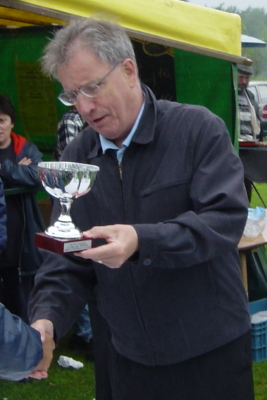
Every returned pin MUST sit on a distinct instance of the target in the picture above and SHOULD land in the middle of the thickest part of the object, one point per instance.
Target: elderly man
(249, 117)
(165, 216)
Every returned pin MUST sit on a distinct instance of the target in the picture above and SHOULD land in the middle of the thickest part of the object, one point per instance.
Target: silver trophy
(66, 181)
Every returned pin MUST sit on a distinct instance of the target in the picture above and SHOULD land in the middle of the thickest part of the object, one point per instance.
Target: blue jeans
(82, 327)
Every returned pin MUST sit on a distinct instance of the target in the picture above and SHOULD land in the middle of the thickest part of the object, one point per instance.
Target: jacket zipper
(120, 170)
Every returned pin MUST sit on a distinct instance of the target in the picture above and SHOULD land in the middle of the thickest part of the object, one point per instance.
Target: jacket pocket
(165, 200)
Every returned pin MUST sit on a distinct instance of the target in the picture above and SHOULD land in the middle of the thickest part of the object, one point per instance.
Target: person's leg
(225, 373)
(82, 335)
(82, 327)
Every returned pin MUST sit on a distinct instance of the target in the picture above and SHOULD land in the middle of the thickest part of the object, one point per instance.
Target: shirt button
(147, 261)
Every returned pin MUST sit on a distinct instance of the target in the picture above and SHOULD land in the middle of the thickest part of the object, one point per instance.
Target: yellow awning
(181, 24)
(13, 17)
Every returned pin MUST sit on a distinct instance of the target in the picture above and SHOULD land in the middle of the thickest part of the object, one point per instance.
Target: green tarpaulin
(172, 73)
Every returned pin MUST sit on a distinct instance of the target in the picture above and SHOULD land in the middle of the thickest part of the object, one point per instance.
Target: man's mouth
(96, 120)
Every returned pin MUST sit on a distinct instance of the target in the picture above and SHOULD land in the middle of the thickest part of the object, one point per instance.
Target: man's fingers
(38, 375)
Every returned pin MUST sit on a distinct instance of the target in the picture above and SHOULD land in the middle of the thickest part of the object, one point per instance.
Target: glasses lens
(90, 90)
(68, 98)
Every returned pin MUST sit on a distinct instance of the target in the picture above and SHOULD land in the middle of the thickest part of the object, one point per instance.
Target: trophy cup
(66, 181)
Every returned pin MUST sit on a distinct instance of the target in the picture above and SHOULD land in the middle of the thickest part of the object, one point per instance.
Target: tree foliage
(254, 23)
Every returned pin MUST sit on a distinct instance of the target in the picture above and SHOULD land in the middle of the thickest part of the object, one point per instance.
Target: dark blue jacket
(182, 189)
(20, 347)
(2, 219)
(25, 180)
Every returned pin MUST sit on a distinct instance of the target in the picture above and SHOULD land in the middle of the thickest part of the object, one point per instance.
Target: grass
(255, 200)
(70, 384)
(260, 380)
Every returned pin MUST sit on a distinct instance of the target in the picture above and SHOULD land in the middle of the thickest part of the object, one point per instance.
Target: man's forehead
(243, 74)
(83, 67)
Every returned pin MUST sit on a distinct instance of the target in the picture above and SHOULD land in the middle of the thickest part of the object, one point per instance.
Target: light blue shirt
(108, 144)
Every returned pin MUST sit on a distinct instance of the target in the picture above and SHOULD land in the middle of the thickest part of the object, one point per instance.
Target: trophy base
(61, 246)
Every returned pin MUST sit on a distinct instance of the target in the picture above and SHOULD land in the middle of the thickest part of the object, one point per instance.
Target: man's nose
(85, 104)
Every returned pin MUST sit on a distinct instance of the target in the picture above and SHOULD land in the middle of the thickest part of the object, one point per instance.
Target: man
(249, 117)
(165, 215)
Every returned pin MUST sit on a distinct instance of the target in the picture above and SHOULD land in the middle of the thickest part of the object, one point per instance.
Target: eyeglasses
(88, 90)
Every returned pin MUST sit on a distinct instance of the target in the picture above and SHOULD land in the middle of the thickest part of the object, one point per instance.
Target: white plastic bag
(255, 222)
(67, 362)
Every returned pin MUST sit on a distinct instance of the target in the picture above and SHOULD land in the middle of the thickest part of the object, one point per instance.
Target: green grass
(255, 200)
(70, 384)
(260, 380)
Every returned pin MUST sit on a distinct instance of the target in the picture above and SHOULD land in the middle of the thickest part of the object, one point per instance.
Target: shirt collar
(108, 144)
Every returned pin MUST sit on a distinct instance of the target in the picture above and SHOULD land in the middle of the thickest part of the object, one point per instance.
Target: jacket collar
(145, 131)
(18, 142)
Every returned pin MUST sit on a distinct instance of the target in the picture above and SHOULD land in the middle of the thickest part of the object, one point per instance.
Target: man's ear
(130, 70)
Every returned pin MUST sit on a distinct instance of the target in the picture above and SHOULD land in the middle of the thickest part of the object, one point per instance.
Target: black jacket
(182, 190)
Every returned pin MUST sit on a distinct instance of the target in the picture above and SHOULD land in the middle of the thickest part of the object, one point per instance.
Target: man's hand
(122, 243)
(45, 327)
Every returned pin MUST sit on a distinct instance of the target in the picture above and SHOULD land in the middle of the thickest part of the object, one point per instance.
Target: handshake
(25, 352)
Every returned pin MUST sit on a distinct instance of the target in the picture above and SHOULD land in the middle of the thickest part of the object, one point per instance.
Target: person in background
(249, 116)
(20, 259)
(82, 334)
(165, 216)
(68, 128)
(250, 129)
(20, 345)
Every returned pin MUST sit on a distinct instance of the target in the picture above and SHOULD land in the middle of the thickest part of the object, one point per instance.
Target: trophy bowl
(66, 181)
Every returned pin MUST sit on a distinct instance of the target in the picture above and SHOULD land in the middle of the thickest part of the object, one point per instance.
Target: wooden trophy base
(61, 246)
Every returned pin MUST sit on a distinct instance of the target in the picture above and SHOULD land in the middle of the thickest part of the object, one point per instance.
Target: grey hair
(106, 39)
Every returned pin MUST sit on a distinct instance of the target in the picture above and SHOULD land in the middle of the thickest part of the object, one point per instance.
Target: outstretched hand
(45, 327)
(122, 243)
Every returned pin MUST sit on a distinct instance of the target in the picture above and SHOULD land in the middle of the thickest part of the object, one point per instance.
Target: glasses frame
(80, 90)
